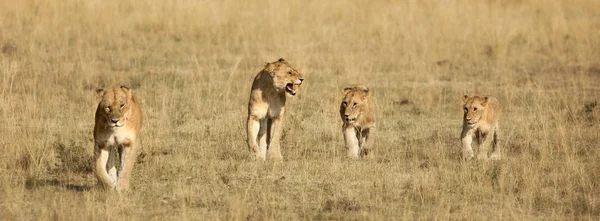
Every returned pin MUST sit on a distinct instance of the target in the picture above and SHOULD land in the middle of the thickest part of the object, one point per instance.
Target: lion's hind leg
(110, 165)
(275, 130)
(486, 145)
(262, 137)
(495, 148)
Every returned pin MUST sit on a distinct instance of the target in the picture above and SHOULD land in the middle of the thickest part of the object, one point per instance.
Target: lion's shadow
(33, 183)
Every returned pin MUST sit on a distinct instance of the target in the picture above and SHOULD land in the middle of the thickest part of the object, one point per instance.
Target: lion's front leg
(495, 148)
(101, 155)
(467, 142)
(253, 129)
(275, 131)
(352, 143)
(128, 153)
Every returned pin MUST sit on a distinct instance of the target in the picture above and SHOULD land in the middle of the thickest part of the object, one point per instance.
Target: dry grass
(192, 62)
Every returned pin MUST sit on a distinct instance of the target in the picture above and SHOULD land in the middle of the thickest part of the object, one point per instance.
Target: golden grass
(192, 62)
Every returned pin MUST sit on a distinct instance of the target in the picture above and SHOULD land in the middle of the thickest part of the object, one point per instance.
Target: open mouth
(291, 88)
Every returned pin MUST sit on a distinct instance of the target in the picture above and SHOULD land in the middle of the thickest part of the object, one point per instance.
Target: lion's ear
(366, 90)
(100, 92)
(347, 89)
(465, 98)
(271, 68)
(485, 101)
(126, 89)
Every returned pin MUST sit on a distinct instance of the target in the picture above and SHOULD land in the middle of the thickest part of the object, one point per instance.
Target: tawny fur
(118, 125)
(266, 108)
(481, 121)
(358, 120)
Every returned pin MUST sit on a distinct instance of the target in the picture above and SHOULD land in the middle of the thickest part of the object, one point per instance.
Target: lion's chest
(118, 136)
(267, 110)
(482, 127)
(266, 106)
(275, 112)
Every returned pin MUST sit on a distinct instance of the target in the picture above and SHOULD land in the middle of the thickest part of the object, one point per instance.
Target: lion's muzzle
(349, 118)
(115, 122)
(471, 122)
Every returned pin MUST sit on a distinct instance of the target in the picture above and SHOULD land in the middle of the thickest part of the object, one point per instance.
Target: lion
(118, 125)
(358, 120)
(481, 121)
(266, 107)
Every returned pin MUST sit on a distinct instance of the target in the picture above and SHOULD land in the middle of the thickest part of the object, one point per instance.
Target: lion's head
(354, 103)
(285, 77)
(474, 108)
(114, 105)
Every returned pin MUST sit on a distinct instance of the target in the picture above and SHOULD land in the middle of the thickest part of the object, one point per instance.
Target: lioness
(481, 118)
(118, 124)
(266, 107)
(358, 119)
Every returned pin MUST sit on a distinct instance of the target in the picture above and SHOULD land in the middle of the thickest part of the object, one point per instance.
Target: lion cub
(358, 119)
(118, 125)
(266, 107)
(481, 121)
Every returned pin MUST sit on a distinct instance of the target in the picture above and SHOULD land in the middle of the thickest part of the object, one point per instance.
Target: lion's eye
(345, 103)
(466, 109)
(354, 105)
(107, 109)
(474, 109)
(122, 105)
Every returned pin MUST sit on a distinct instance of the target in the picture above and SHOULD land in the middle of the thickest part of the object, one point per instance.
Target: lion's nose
(114, 120)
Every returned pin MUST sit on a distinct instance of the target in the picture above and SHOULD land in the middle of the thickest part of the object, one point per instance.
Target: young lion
(481, 121)
(118, 125)
(358, 119)
(266, 107)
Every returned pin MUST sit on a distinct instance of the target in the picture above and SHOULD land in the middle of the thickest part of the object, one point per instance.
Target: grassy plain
(191, 63)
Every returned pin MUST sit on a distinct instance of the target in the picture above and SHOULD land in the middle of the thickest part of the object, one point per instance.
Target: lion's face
(285, 77)
(474, 108)
(354, 103)
(114, 105)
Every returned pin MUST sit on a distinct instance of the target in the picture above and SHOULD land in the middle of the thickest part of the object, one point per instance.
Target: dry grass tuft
(73, 158)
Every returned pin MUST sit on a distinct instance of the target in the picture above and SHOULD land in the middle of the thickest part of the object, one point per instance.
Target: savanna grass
(191, 63)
